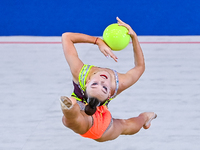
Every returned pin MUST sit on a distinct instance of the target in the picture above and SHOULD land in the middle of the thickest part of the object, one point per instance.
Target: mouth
(104, 76)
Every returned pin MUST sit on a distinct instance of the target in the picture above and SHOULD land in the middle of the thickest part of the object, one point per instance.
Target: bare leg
(133, 125)
(73, 117)
(128, 126)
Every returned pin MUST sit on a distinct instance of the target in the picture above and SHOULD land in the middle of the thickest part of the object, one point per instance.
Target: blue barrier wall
(53, 17)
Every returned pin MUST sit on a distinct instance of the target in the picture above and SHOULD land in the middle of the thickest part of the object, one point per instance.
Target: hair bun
(90, 109)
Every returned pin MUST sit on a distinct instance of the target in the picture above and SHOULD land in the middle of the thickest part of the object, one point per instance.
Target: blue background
(53, 17)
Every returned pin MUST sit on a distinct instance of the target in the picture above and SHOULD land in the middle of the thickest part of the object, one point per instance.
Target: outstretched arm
(135, 73)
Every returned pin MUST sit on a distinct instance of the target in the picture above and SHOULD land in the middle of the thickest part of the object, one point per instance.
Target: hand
(105, 49)
(130, 30)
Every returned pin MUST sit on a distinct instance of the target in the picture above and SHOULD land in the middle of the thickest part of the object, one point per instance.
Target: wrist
(95, 42)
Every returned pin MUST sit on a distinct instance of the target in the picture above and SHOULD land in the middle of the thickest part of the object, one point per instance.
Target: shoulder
(83, 73)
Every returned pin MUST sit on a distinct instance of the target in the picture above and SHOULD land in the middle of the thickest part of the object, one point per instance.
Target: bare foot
(66, 103)
(151, 116)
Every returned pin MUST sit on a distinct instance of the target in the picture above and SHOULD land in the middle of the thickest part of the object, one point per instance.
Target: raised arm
(134, 73)
(71, 55)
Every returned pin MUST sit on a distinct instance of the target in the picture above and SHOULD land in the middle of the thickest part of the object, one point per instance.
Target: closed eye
(105, 88)
(94, 83)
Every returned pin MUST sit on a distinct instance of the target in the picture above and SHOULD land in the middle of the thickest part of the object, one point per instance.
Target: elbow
(65, 35)
(140, 64)
(142, 68)
(68, 36)
(64, 121)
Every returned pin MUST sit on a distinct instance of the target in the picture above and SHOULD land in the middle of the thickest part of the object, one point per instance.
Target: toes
(148, 123)
(65, 102)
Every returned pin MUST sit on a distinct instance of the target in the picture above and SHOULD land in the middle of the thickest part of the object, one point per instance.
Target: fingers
(110, 53)
(121, 23)
(113, 56)
(105, 53)
(119, 20)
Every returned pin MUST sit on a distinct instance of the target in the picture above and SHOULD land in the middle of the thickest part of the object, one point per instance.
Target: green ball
(116, 37)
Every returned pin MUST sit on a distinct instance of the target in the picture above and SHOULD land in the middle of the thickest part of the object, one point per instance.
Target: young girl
(86, 112)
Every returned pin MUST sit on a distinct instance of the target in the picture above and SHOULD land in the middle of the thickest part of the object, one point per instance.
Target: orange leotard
(101, 120)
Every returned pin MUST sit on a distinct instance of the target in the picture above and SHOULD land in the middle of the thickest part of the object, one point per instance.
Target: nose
(102, 81)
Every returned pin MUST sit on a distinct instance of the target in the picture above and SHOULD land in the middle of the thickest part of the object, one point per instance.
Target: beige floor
(34, 75)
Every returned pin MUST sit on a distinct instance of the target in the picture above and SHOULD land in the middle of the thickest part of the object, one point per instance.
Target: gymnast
(86, 110)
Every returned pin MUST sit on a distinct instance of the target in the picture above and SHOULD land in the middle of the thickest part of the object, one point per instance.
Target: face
(99, 86)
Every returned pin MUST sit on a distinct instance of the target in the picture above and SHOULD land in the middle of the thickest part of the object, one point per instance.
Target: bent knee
(68, 123)
(75, 125)
(64, 121)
